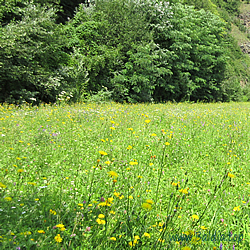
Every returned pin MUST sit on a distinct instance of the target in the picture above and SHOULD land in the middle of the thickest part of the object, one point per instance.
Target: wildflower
(184, 191)
(113, 174)
(236, 208)
(195, 217)
(112, 212)
(80, 204)
(130, 129)
(129, 147)
(132, 163)
(131, 197)
(147, 206)
(186, 248)
(8, 198)
(60, 226)
(147, 235)
(112, 238)
(147, 121)
(20, 170)
(2, 185)
(41, 231)
(107, 162)
(204, 228)
(102, 153)
(101, 216)
(231, 175)
(222, 220)
(153, 134)
(149, 201)
(58, 238)
(100, 222)
(167, 143)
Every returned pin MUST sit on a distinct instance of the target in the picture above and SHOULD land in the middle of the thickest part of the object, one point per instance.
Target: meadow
(120, 176)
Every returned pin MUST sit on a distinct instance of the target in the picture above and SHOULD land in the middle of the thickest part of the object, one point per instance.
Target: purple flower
(233, 247)
(221, 246)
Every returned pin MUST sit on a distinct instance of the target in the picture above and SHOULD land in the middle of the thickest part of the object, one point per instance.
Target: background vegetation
(135, 51)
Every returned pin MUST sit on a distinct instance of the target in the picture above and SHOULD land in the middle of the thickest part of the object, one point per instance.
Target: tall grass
(112, 176)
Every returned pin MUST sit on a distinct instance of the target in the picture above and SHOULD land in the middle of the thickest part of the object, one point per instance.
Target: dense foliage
(127, 50)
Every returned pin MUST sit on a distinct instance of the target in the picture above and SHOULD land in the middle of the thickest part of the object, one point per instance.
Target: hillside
(243, 37)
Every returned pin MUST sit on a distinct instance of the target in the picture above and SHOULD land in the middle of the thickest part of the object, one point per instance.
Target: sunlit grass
(115, 176)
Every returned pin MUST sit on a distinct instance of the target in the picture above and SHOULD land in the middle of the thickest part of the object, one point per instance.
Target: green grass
(114, 176)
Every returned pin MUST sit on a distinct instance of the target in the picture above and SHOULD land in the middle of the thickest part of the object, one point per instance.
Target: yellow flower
(52, 212)
(147, 235)
(196, 217)
(101, 222)
(151, 164)
(2, 185)
(107, 162)
(101, 216)
(204, 228)
(113, 238)
(58, 238)
(149, 201)
(231, 175)
(131, 197)
(60, 226)
(147, 206)
(112, 128)
(129, 147)
(112, 212)
(113, 174)
(41, 231)
(153, 134)
(175, 184)
(236, 208)
(147, 121)
(133, 163)
(186, 248)
(130, 129)
(8, 198)
(102, 153)
(20, 170)
(167, 143)
(184, 191)
(80, 204)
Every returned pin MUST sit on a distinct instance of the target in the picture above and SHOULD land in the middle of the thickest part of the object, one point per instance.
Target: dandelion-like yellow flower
(58, 238)
(149, 201)
(236, 208)
(167, 143)
(112, 238)
(8, 198)
(41, 231)
(113, 174)
(147, 121)
(153, 134)
(132, 163)
(195, 217)
(184, 191)
(129, 147)
(231, 175)
(100, 222)
(101, 216)
(2, 185)
(147, 206)
(102, 152)
(186, 248)
(147, 235)
(20, 170)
